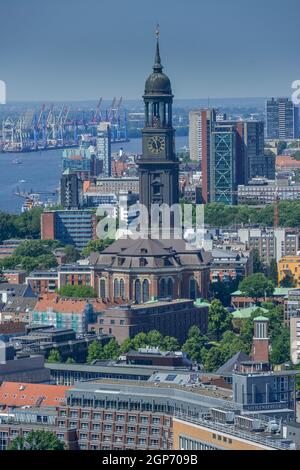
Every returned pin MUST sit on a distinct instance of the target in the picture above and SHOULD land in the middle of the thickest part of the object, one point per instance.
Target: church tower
(158, 165)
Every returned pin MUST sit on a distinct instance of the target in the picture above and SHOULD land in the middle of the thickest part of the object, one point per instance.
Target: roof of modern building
(12, 327)
(16, 394)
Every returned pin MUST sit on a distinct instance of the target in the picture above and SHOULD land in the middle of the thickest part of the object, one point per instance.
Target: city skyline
(100, 49)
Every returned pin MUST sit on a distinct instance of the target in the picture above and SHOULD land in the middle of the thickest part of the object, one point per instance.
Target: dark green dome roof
(158, 82)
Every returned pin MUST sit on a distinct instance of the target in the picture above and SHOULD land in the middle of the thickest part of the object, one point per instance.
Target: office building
(291, 305)
(195, 135)
(71, 227)
(223, 177)
(282, 118)
(264, 191)
(104, 147)
(81, 161)
(271, 243)
(70, 190)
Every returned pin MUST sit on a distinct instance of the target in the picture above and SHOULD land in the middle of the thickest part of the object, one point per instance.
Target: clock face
(156, 144)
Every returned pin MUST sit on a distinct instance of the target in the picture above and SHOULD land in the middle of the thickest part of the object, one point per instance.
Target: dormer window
(143, 262)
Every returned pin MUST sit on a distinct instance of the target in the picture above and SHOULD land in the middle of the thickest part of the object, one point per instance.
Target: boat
(22, 181)
(17, 161)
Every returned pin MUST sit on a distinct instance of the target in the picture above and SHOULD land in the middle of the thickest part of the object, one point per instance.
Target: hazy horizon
(68, 50)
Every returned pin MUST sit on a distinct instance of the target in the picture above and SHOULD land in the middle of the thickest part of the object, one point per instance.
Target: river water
(40, 171)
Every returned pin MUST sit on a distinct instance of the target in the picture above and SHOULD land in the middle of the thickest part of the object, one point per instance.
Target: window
(156, 420)
(120, 417)
(122, 289)
(107, 427)
(85, 414)
(96, 427)
(131, 429)
(116, 288)
(145, 290)
(154, 442)
(143, 430)
(170, 288)
(144, 419)
(74, 414)
(130, 440)
(137, 291)
(102, 288)
(84, 426)
(132, 418)
(142, 442)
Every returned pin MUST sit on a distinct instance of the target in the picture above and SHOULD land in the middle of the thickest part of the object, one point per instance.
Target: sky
(83, 49)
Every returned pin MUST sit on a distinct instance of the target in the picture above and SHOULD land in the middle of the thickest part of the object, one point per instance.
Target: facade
(223, 159)
(295, 335)
(262, 191)
(70, 190)
(72, 227)
(291, 305)
(82, 161)
(170, 318)
(195, 135)
(228, 265)
(63, 313)
(14, 276)
(282, 119)
(138, 270)
(104, 147)
(271, 243)
(43, 282)
(289, 265)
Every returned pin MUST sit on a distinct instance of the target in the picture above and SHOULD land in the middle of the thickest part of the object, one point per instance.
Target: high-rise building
(282, 118)
(81, 160)
(72, 227)
(232, 154)
(195, 135)
(104, 147)
(70, 190)
(222, 182)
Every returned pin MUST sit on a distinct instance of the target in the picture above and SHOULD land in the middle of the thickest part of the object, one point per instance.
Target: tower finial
(157, 63)
(157, 32)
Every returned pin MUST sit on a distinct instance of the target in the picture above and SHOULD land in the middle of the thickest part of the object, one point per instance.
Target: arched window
(145, 290)
(122, 289)
(193, 288)
(116, 288)
(102, 288)
(162, 288)
(137, 291)
(170, 288)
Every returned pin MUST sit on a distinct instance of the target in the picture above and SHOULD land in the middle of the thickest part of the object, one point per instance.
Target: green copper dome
(158, 83)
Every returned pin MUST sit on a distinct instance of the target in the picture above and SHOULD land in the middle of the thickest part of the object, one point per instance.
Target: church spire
(157, 63)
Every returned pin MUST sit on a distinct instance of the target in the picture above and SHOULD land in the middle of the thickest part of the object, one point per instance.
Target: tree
(170, 343)
(54, 356)
(95, 352)
(194, 345)
(70, 360)
(281, 146)
(72, 255)
(256, 286)
(280, 347)
(80, 292)
(140, 340)
(222, 290)
(273, 272)
(219, 320)
(126, 346)
(111, 350)
(288, 280)
(213, 359)
(154, 338)
(258, 266)
(37, 440)
(96, 245)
